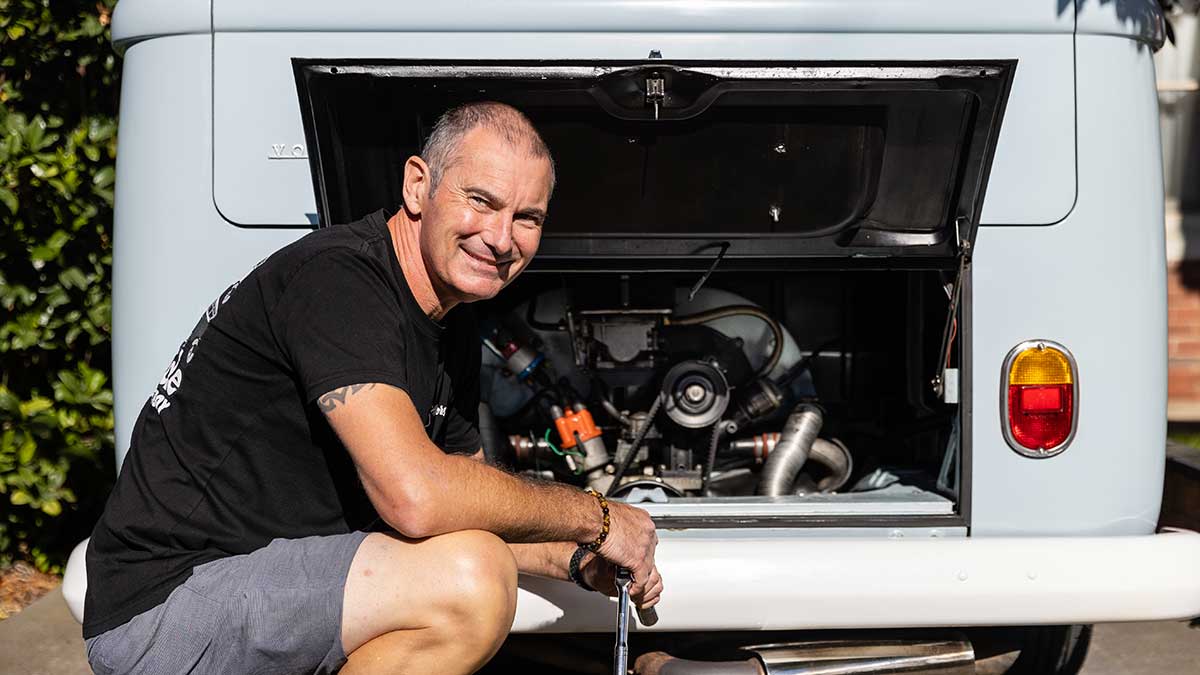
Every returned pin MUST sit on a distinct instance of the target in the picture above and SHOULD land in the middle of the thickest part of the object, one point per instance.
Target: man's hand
(631, 542)
(601, 575)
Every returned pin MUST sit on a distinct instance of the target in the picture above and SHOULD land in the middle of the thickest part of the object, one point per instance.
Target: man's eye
(478, 200)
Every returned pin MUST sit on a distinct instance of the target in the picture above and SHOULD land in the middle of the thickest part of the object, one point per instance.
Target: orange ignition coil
(575, 422)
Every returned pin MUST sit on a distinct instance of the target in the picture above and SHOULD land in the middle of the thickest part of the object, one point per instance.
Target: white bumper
(777, 582)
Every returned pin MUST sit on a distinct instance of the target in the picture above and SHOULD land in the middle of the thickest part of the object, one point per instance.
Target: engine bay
(656, 388)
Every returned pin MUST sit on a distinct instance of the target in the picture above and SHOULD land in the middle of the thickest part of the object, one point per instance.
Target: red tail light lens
(1041, 398)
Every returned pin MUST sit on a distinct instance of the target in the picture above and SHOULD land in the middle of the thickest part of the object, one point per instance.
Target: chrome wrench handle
(621, 650)
(647, 616)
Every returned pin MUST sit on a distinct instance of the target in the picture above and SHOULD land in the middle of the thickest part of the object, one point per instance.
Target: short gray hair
(441, 150)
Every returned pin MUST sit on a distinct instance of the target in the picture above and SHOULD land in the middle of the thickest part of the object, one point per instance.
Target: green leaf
(9, 199)
(100, 130)
(95, 379)
(36, 405)
(43, 254)
(52, 507)
(104, 177)
(34, 132)
(73, 277)
(9, 403)
(25, 452)
(19, 497)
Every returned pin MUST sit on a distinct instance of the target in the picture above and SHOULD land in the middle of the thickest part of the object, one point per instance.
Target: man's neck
(406, 242)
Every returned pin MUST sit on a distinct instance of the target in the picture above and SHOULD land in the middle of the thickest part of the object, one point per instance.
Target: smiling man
(304, 485)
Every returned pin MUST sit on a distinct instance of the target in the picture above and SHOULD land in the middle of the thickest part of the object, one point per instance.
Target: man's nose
(498, 235)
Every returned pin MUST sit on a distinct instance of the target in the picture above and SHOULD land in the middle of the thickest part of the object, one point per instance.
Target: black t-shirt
(230, 451)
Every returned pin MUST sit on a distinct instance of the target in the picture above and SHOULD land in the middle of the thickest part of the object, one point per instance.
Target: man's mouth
(490, 261)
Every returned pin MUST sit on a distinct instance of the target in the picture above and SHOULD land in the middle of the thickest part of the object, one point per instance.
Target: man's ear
(416, 184)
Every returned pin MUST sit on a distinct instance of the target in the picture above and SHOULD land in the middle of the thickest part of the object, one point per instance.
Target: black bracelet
(573, 568)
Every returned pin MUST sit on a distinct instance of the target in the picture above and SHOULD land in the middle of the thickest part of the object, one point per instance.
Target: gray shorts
(276, 610)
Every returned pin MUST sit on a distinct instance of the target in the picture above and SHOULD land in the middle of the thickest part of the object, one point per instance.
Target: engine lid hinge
(962, 236)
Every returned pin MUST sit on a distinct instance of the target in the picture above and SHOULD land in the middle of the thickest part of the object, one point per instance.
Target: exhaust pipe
(834, 456)
(953, 656)
(662, 663)
(791, 452)
(950, 656)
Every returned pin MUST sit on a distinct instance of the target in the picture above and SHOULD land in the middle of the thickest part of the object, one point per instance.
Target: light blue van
(864, 301)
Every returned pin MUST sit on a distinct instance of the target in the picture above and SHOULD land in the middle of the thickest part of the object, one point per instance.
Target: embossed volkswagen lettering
(284, 151)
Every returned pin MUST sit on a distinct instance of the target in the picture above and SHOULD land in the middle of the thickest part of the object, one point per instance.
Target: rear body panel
(1094, 283)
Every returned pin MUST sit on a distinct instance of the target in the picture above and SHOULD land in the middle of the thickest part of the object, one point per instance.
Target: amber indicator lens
(1041, 391)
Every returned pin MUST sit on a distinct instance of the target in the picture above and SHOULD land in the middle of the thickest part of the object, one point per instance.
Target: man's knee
(485, 574)
(473, 609)
(460, 588)
(478, 581)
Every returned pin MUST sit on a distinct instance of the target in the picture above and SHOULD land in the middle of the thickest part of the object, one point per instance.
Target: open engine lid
(670, 163)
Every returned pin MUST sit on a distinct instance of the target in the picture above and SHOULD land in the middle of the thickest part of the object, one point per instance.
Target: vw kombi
(863, 301)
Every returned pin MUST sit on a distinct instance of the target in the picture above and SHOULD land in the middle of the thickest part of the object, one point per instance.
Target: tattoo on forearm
(330, 400)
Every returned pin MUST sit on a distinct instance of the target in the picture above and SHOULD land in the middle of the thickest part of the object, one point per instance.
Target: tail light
(1040, 398)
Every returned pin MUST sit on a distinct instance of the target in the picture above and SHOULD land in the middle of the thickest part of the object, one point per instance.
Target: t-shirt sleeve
(338, 323)
(462, 418)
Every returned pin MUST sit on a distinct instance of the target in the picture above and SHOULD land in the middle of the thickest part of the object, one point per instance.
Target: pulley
(695, 393)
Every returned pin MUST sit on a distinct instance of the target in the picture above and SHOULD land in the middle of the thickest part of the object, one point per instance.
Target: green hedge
(58, 102)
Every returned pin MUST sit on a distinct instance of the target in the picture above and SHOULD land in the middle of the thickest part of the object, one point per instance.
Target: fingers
(651, 592)
(601, 575)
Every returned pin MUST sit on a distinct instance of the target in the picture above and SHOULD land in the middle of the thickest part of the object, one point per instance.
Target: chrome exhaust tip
(950, 655)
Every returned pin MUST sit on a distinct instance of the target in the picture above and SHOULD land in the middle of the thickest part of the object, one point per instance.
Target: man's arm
(552, 559)
(545, 559)
(421, 491)
(549, 559)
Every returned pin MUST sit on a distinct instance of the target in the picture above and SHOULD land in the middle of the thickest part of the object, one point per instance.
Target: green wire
(561, 453)
(551, 444)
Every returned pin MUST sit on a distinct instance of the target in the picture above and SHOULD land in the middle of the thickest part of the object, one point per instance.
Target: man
(334, 387)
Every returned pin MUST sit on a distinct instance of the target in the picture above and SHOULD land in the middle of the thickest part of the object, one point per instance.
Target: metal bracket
(656, 92)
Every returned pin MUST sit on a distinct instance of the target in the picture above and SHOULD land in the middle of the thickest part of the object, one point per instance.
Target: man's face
(483, 223)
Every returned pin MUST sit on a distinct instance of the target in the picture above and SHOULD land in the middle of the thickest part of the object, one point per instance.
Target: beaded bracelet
(594, 546)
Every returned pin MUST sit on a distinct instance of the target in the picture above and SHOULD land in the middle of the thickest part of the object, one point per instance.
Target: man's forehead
(483, 143)
(493, 162)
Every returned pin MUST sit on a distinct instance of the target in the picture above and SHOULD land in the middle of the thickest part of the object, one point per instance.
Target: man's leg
(437, 605)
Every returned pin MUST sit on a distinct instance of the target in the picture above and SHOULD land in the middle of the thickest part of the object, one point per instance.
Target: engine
(704, 395)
